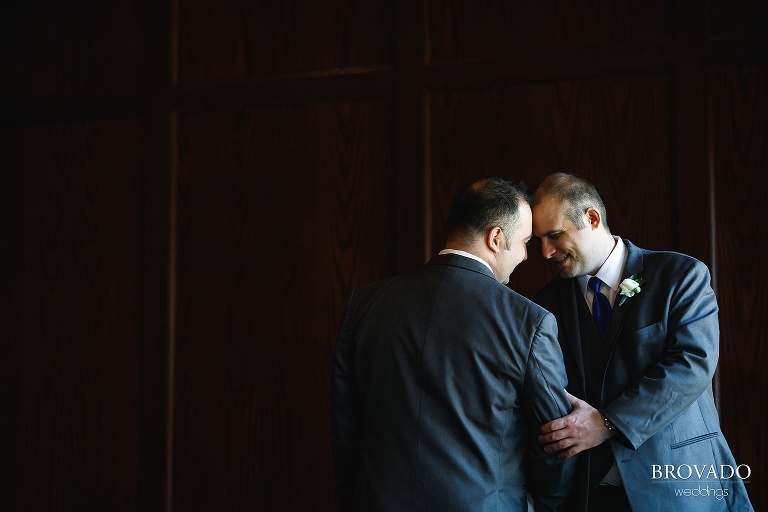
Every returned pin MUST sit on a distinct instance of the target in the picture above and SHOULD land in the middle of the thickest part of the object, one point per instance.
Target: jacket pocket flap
(692, 440)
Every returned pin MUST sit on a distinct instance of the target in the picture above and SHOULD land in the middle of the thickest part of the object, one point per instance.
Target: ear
(593, 217)
(494, 239)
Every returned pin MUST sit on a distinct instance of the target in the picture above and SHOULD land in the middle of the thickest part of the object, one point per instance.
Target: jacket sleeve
(685, 370)
(345, 417)
(549, 479)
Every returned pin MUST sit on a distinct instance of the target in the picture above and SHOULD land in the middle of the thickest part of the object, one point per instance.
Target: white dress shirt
(610, 274)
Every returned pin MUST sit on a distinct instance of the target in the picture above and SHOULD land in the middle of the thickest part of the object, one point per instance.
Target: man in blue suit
(442, 377)
(640, 338)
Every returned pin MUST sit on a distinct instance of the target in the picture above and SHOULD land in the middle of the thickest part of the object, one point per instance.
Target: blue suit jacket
(657, 386)
(441, 380)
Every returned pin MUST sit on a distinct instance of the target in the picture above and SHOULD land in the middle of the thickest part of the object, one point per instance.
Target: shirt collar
(610, 272)
(467, 255)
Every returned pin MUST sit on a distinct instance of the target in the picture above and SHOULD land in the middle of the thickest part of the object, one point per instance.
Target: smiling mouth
(561, 261)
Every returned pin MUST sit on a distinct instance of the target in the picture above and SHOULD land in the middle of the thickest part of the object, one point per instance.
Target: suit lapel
(633, 266)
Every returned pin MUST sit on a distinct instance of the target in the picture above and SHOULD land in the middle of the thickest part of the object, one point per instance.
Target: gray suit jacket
(657, 386)
(441, 380)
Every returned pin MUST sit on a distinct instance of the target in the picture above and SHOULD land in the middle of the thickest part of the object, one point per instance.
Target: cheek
(565, 247)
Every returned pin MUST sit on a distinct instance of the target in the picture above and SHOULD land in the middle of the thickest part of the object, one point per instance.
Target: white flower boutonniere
(629, 287)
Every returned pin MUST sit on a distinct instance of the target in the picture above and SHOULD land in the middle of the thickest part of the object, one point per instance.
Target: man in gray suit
(442, 377)
(640, 338)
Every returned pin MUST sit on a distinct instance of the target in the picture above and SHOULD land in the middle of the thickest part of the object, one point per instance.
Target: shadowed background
(191, 189)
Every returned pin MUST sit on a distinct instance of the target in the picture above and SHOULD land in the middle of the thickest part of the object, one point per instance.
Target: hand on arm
(582, 429)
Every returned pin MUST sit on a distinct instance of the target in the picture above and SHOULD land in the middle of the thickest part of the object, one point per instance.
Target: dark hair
(577, 191)
(485, 204)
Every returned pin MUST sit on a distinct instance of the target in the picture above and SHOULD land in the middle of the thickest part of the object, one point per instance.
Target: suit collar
(467, 255)
(634, 263)
(620, 313)
(457, 260)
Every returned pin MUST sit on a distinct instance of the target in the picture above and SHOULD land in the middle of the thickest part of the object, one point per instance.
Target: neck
(607, 244)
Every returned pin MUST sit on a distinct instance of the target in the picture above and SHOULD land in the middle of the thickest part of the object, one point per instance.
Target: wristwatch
(608, 424)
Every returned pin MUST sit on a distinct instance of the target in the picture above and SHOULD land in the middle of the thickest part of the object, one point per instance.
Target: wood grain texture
(232, 40)
(462, 29)
(76, 353)
(282, 212)
(690, 136)
(319, 146)
(412, 167)
(613, 131)
(739, 120)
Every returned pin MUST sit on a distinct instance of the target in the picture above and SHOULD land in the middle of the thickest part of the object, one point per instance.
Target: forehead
(548, 216)
(526, 216)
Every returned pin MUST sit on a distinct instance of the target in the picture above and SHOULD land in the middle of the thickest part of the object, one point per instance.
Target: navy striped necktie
(601, 307)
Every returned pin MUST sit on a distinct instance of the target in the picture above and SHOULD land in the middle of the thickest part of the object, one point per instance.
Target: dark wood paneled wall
(739, 163)
(191, 190)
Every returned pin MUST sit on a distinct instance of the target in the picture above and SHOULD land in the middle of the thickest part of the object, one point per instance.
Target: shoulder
(670, 261)
(549, 296)
(374, 287)
(669, 272)
(529, 304)
(554, 286)
(488, 296)
(368, 296)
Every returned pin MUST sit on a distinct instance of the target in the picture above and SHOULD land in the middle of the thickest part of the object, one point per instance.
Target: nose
(547, 249)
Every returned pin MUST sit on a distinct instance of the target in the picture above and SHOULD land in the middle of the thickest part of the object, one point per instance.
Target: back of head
(485, 204)
(575, 190)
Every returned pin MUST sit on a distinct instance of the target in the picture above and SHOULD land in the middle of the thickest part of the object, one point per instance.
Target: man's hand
(582, 429)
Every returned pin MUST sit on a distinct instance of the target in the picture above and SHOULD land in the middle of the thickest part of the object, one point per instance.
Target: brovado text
(700, 472)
